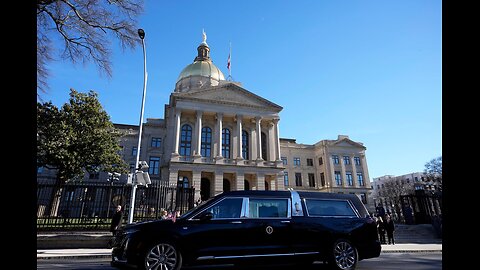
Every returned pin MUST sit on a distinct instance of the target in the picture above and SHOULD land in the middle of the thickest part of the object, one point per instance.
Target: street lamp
(141, 34)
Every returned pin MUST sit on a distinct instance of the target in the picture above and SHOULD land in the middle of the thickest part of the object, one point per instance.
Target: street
(386, 261)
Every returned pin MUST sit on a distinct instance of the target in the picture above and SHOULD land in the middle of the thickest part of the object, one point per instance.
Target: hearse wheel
(162, 256)
(344, 255)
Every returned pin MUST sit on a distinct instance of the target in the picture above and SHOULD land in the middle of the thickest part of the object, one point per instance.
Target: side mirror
(206, 216)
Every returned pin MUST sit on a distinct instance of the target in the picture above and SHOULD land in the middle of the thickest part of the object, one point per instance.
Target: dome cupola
(201, 73)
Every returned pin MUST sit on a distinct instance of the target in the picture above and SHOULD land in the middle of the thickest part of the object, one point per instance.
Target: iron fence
(90, 206)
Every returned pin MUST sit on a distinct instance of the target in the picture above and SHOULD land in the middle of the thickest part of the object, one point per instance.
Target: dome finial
(204, 36)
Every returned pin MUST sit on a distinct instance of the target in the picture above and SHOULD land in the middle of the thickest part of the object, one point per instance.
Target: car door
(268, 224)
(218, 231)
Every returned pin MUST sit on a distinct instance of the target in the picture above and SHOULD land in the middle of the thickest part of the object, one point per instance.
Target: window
(156, 142)
(245, 151)
(94, 175)
(186, 140)
(320, 161)
(40, 169)
(206, 146)
(360, 179)
(349, 178)
(357, 161)
(264, 146)
(226, 143)
(132, 167)
(335, 159)
(268, 208)
(285, 179)
(183, 182)
(338, 178)
(284, 160)
(298, 179)
(337, 208)
(363, 197)
(227, 208)
(134, 151)
(309, 162)
(311, 180)
(346, 160)
(378, 186)
(154, 165)
(322, 179)
(296, 161)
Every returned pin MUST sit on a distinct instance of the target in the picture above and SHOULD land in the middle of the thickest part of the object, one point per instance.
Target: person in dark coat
(390, 228)
(116, 220)
(381, 230)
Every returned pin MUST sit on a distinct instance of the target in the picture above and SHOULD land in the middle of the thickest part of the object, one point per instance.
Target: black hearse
(254, 226)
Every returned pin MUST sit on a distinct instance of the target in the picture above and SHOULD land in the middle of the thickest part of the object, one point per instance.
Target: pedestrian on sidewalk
(390, 228)
(381, 230)
(116, 220)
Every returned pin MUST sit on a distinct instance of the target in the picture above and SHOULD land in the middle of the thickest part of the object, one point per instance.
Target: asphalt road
(387, 261)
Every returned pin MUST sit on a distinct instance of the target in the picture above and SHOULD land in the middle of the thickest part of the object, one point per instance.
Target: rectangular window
(311, 180)
(349, 178)
(298, 179)
(320, 161)
(268, 208)
(346, 160)
(338, 178)
(335, 159)
(357, 161)
(285, 179)
(134, 151)
(309, 162)
(378, 186)
(296, 161)
(154, 165)
(329, 208)
(322, 179)
(284, 160)
(156, 142)
(360, 179)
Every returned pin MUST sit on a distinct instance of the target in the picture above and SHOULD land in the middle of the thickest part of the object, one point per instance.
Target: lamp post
(141, 34)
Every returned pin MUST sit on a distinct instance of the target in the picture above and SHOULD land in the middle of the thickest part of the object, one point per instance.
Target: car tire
(343, 255)
(162, 256)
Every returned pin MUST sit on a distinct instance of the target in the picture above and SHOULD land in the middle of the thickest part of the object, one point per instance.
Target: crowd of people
(386, 225)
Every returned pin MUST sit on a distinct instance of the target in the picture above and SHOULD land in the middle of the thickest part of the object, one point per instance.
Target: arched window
(226, 143)
(245, 150)
(186, 140)
(206, 147)
(264, 146)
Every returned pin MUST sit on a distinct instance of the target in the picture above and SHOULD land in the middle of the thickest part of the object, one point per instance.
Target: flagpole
(230, 69)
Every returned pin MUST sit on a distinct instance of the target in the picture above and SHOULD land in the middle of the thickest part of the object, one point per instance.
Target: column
(333, 182)
(196, 183)
(239, 140)
(253, 144)
(178, 114)
(218, 185)
(354, 171)
(277, 140)
(219, 135)
(240, 182)
(260, 181)
(271, 142)
(198, 137)
(344, 175)
(366, 177)
(259, 138)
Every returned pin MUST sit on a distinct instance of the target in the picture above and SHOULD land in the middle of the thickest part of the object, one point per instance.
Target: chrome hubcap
(161, 257)
(345, 255)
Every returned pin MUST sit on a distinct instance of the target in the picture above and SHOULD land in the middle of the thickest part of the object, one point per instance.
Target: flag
(228, 62)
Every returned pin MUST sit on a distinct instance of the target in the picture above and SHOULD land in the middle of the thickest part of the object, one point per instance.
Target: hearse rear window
(267, 208)
(329, 208)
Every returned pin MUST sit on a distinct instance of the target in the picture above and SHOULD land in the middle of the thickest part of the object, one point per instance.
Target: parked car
(254, 226)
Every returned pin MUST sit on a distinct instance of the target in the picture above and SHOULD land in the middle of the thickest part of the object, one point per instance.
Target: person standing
(381, 230)
(390, 228)
(116, 220)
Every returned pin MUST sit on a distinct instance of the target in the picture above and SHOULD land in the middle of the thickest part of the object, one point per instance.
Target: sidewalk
(89, 253)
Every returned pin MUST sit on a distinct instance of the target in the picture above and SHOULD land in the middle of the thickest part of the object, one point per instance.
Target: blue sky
(371, 70)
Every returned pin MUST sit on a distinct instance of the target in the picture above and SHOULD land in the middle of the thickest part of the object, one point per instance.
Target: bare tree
(391, 193)
(85, 28)
(433, 172)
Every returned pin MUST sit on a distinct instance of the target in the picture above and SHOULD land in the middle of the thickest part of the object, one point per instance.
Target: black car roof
(240, 193)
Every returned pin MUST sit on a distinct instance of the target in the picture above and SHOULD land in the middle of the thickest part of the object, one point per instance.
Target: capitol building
(217, 136)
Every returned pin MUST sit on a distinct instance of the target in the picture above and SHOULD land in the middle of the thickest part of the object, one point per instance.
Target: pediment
(230, 94)
(347, 143)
